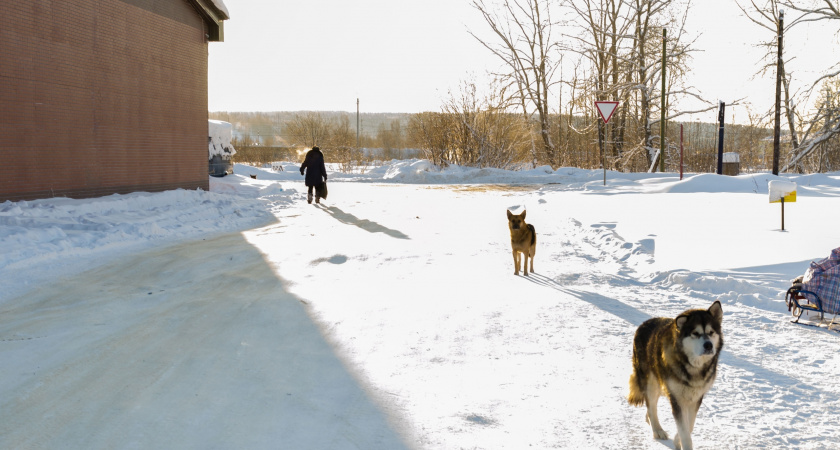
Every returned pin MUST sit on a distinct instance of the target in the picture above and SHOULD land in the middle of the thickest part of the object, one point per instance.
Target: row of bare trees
(617, 49)
(617, 46)
(336, 135)
(599, 50)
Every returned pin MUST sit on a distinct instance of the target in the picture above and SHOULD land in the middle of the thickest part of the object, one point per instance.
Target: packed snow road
(389, 317)
(194, 346)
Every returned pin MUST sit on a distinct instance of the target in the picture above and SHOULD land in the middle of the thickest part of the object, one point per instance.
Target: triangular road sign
(606, 109)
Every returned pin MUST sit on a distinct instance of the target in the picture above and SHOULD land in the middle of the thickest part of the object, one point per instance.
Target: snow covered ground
(389, 317)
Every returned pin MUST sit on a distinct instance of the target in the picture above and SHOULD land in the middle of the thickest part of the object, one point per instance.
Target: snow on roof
(220, 5)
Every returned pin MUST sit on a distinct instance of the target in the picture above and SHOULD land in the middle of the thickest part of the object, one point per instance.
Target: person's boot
(309, 198)
(318, 200)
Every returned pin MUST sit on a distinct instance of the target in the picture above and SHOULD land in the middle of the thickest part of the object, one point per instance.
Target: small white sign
(731, 157)
(781, 189)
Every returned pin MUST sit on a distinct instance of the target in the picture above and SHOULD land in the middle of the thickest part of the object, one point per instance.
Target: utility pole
(357, 123)
(662, 110)
(777, 126)
(720, 138)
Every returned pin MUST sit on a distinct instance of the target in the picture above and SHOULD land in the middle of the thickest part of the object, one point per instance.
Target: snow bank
(55, 237)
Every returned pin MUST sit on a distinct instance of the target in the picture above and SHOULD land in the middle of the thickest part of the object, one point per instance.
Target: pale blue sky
(403, 56)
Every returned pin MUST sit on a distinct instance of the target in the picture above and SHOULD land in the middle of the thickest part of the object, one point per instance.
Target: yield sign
(606, 109)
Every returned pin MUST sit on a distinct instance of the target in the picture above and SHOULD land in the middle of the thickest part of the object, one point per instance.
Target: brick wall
(100, 97)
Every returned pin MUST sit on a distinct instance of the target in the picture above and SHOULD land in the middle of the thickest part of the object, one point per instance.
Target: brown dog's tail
(533, 234)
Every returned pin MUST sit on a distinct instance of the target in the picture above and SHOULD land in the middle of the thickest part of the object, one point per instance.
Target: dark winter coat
(316, 171)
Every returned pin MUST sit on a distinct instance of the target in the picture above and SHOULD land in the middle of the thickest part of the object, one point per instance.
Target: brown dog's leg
(515, 262)
(531, 254)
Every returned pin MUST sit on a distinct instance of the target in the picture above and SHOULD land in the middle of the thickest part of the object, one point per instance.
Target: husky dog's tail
(636, 396)
(639, 377)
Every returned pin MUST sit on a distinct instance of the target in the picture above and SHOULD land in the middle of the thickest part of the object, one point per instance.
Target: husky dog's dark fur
(523, 239)
(676, 358)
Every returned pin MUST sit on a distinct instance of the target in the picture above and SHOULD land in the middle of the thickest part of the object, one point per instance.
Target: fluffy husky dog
(523, 239)
(676, 358)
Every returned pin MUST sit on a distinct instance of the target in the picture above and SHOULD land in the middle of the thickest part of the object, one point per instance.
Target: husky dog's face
(701, 336)
(516, 221)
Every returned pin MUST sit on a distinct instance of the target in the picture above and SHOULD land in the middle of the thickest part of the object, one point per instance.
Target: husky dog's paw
(677, 442)
(661, 434)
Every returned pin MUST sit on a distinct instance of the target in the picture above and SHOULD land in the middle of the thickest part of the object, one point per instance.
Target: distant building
(104, 96)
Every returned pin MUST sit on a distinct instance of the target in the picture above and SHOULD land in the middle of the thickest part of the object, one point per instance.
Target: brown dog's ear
(510, 214)
(681, 319)
(716, 311)
(522, 216)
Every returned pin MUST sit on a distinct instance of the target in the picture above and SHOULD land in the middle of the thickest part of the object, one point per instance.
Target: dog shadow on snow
(364, 224)
(609, 305)
(636, 317)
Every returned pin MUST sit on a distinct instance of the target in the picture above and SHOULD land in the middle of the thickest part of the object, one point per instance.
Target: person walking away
(315, 169)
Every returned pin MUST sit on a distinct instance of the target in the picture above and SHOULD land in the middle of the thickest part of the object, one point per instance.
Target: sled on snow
(817, 292)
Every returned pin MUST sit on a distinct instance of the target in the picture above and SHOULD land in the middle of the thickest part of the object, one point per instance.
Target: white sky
(399, 56)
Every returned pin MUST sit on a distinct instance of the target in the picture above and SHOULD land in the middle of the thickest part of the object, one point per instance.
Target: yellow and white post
(782, 191)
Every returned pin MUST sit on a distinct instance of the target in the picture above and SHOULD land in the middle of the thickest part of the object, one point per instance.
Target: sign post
(720, 137)
(606, 109)
(681, 152)
(781, 192)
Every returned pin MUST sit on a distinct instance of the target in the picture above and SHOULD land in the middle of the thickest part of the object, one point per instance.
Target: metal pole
(602, 129)
(777, 126)
(604, 157)
(720, 138)
(681, 152)
(357, 123)
(662, 110)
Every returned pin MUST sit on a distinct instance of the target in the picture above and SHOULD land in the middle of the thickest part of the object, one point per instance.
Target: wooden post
(662, 110)
(783, 214)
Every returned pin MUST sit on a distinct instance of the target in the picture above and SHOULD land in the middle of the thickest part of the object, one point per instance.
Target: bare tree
(308, 129)
(431, 131)
(823, 128)
(527, 49)
(341, 144)
(484, 132)
(603, 40)
(622, 41)
(767, 16)
(823, 125)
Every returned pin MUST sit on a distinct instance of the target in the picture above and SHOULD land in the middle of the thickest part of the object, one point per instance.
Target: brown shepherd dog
(523, 239)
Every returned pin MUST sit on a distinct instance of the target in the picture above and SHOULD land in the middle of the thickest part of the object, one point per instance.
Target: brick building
(104, 96)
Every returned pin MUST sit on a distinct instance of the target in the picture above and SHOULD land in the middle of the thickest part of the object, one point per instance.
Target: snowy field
(389, 316)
